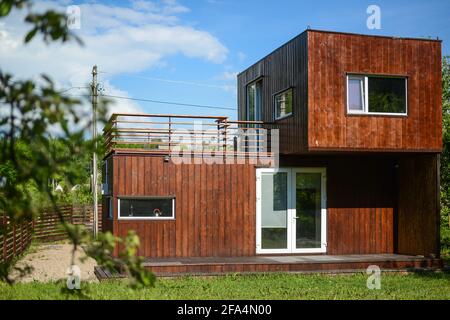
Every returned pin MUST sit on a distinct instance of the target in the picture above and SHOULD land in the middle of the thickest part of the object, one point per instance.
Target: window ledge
(378, 114)
(284, 117)
(145, 218)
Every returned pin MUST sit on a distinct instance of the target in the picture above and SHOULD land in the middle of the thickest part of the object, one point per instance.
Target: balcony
(188, 135)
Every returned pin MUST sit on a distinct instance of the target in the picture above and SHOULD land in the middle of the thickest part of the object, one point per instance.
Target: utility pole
(94, 88)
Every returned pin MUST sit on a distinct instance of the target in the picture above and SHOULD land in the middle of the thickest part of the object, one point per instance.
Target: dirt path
(50, 263)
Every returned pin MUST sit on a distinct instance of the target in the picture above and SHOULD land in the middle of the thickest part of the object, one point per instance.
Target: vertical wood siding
(332, 55)
(215, 206)
(284, 68)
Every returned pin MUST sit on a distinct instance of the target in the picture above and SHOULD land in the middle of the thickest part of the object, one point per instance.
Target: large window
(376, 95)
(147, 208)
(254, 101)
(283, 104)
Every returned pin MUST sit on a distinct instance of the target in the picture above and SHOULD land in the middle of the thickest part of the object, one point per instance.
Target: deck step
(287, 263)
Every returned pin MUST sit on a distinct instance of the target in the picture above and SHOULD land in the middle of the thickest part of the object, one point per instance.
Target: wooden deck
(312, 263)
(287, 263)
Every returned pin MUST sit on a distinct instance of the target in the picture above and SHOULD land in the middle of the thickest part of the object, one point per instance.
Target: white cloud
(118, 39)
(229, 75)
(123, 105)
(241, 56)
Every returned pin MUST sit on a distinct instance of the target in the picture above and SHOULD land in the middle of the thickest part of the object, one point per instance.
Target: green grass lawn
(263, 286)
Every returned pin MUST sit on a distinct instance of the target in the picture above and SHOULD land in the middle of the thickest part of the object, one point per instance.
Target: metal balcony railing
(186, 134)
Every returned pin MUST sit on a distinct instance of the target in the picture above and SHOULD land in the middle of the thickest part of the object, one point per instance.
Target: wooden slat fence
(45, 227)
(15, 239)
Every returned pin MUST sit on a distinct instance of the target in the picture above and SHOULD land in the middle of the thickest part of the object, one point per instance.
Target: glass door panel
(274, 210)
(308, 208)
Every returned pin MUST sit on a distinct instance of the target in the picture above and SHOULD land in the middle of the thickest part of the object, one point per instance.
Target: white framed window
(377, 95)
(283, 104)
(146, 208)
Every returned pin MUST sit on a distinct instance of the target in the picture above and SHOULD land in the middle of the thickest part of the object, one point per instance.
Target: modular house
(332, 164)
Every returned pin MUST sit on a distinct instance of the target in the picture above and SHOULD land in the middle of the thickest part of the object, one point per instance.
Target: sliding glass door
(291, 210)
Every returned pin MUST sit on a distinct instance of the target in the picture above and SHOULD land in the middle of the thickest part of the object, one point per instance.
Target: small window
(147, 208)
(254, 101)
(283, 104)
(376, 95)
(110, 208)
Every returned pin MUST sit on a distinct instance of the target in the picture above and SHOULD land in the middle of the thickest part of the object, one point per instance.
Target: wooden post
(21, 238)
(5, 226)
(225, 135)
(170, 134)
(14, 239)
(94, 87)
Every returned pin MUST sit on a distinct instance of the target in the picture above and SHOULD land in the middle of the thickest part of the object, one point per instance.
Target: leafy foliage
(28, 154)
(42, 138)
(386, 102)
(128, 261)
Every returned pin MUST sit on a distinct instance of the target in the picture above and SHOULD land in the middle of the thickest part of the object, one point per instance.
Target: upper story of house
(331, 92)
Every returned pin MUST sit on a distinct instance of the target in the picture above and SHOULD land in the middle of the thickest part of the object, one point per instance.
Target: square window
(387, 95)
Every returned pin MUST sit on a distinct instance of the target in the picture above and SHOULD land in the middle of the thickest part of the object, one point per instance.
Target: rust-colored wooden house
(333, 163)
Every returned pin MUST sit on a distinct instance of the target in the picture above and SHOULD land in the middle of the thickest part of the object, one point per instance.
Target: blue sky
(252, 29)
(219, 38)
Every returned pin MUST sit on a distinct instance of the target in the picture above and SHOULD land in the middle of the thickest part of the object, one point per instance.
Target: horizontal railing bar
(166, 151)
(245, 122)
(160, 122)
(115, 115)
(164, 136)
(131, 130)
(164, 143)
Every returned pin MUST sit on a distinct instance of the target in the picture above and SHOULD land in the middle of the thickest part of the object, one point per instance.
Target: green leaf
(30, 35)
(5, 8)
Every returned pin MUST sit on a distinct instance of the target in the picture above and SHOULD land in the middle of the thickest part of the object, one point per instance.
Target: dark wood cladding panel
(215, 207)
(332, 55)
(361, 201)
(418, 214)
(361, 206)
(284, 68)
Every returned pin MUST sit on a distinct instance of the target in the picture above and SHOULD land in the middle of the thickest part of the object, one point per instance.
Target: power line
(169, 102)
(68, 89)
(192, 83)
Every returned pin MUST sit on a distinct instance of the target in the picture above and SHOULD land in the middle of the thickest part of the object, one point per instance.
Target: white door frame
(323, 210)
(291, 211)
(259, 173)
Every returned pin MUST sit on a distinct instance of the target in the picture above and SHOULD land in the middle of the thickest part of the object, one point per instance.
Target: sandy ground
(51, 261)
